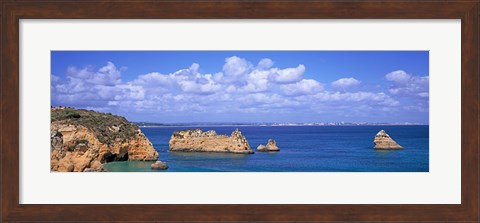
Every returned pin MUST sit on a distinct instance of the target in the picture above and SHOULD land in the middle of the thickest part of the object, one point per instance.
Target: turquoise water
(303, 149)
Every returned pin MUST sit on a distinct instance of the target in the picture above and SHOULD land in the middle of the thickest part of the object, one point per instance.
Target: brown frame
(11, 11)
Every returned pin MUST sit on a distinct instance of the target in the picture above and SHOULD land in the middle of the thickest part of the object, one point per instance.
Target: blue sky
(245, 86)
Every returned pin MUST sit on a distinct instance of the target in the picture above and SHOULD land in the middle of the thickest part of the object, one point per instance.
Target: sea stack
(383, 141)
(270, 147)
(198, 141)
(83, 140)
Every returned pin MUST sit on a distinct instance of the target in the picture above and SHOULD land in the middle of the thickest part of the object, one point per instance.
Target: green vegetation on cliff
(106, 127)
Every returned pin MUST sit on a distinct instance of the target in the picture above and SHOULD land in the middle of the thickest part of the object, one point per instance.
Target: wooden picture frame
(12, 11)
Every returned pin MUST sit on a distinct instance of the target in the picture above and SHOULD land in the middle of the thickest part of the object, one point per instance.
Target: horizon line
(142, 123)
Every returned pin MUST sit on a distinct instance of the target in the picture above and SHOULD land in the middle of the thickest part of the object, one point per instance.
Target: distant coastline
(150, 124)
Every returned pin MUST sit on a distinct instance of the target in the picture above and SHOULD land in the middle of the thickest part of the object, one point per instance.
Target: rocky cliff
(83, 140)
(270, 147)
(383, 141)
(198, 141)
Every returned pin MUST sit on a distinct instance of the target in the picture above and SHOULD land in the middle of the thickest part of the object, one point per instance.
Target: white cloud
(72, 85)
(235, 68)
(257, 81)
(398, 76)
(199, 87)
(107, 75)
(230, 89)
(345, 82)
(239, 87)
(54, 79)
(184, 80)
(130, 92)
(288, 75)
(154, 79)
(423, 94)
(194, 68)
(377, 98)
(88, 87)
(264, 63)
(84, 73)
(303, 87)
(404, 84)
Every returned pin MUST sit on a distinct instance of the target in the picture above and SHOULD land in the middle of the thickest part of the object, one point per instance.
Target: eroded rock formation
(383, 141)
(159, 165)
(198, 141)
(270, 147)
(83, 140)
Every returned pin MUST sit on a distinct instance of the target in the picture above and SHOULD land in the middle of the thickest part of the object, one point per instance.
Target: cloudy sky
(245, 86)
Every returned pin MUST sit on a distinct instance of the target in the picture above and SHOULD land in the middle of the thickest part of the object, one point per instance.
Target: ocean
(302, 149)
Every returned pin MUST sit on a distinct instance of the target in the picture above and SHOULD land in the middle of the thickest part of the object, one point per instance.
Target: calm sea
(302, 149)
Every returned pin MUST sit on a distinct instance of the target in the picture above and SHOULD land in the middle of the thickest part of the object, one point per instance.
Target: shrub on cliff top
(72, 114)
(106, 127)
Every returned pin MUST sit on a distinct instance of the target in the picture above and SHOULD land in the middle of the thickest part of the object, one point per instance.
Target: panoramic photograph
(239, 111)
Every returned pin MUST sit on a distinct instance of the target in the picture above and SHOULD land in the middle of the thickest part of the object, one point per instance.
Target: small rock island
(198, 141)
(83, 140)
(159, 165)
(270, 147)
(382, 141)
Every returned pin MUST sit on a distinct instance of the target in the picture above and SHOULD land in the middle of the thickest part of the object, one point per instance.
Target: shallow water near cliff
(302, 149)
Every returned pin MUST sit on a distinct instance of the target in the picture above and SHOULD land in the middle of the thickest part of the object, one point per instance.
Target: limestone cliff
(383, 141)
(198, 141)
(83, 140)
(270, 147)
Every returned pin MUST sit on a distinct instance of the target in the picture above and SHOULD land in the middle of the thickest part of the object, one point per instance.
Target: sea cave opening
(109, 157)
